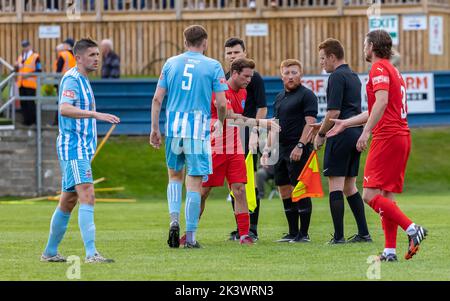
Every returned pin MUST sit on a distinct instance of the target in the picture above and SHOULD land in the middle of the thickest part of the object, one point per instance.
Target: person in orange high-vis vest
(65, 62)
(59, 48)
(66, 59)
(28, 62)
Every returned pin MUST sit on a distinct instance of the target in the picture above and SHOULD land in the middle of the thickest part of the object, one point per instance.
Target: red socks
(390, 211)
(243, 223)
(390, 233)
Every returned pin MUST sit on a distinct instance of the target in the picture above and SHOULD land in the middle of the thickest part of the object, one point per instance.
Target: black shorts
(287, 171)
(341, 159)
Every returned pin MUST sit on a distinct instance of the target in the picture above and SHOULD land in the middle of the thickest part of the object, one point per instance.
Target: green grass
(131, 162)
(135, 236)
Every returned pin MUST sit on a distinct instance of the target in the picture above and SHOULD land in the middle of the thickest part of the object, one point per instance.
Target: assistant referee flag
(309, 182)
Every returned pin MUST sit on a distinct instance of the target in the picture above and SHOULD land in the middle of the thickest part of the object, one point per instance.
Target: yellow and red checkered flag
(309, 182)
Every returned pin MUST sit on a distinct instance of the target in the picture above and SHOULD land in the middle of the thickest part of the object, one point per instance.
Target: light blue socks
(174, 190)
(87, 228)
(58, 227)
(192, 212)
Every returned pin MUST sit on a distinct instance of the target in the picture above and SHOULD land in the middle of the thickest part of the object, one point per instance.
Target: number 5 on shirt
(184, 85)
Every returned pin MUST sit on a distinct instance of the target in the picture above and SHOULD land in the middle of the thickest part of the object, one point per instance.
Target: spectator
(111, 61)
(52, 5)
(264, 174)
(28, 62)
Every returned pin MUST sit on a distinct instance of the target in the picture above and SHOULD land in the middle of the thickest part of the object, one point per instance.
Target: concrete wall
(18, 162)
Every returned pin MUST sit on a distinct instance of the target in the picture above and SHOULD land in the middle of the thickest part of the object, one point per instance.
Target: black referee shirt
(291, 109)
(256, 95)
(344, 92)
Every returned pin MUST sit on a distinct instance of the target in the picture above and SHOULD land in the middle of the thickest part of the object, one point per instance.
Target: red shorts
(229, 166)
(386, 163)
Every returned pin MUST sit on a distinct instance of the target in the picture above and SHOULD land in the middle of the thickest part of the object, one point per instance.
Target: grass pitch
(135, 236)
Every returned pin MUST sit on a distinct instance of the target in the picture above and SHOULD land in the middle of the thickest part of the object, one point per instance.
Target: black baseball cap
(25, 43)
(69, 41)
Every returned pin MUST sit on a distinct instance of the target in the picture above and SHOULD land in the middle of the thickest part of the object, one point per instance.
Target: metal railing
(43, 103)
(99, 7)
(7, 107)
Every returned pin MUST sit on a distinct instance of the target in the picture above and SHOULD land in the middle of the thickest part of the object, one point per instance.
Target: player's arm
(341, 124)
(381, 102)
(239, 119)
(221, 105)
(296, 153)
(328, 122)
(155, 134)
(68, 110)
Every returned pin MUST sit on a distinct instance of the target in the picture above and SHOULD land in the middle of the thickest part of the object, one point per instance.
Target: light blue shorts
(195, 153)
(75, 172)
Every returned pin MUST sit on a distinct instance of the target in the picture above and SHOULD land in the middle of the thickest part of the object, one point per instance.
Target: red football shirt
(384, 76)
(229, 142)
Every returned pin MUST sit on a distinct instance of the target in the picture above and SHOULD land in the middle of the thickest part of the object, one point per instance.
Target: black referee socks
(357, 205)
(304, 211)
(290, 209)
(337, 213)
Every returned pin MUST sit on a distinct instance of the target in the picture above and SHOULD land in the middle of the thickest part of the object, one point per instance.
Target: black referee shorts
(287, 171)
(341, 159)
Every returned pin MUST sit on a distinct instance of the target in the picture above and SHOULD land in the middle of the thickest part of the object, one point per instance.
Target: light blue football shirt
(77, 137)
(190, 78)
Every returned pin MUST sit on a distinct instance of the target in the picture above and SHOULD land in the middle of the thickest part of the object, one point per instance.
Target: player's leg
(175, 169)
(285, 188)
(204, 195)
(385, 168)
(61, 215)
(304, 205)
(86, 196)
(192, 209)
(356, 204)
(291, 212)
(390, 233)
(241, 213)
(236, 176)
(58, 226)
(174, 195)
(199, 164)
(336, 199)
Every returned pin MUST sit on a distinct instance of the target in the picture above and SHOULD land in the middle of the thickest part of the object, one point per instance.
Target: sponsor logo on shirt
(69, 94)
(89, 173)
(380, 79)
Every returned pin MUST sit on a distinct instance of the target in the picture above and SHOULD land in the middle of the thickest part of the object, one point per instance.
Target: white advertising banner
(436, 35)
(419, 91)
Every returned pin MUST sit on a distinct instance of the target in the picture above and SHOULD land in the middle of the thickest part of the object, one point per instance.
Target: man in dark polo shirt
(295, 107)
(255, 107)
(341, 158)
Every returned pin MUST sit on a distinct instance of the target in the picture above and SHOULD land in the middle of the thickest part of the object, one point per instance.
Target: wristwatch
(300, 145)
(321, 135)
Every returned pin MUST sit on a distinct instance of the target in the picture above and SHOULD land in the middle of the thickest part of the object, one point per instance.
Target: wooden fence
(144, 44)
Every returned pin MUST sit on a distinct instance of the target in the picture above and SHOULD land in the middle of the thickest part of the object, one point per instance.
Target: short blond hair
(291, 62)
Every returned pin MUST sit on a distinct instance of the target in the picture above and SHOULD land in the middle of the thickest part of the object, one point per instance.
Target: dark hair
(332, 46)
(382, 43)
(83, 44)
(240, 64)
(231, 42)
(195, 35)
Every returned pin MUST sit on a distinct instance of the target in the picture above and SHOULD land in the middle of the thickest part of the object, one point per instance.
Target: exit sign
(388, 23)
